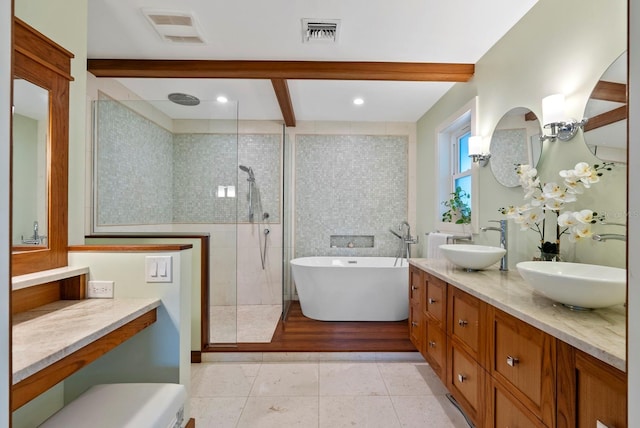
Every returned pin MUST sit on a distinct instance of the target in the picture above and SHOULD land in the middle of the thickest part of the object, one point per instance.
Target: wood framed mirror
(45, 65)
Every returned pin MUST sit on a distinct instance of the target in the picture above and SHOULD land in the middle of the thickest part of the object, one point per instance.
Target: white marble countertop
(36, 278)
(49, 333)
(600, 333)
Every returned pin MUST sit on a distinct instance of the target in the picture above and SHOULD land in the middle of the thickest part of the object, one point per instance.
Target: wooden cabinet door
(523, 361)
(465, 381)
(505, 411)
(436, 349)
(417, 327)
(416, 286)
(435, 299)
(466, 322)
(416, 304)
(589, 391)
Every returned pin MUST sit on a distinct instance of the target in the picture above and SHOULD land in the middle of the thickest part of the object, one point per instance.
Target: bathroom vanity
(511, 357)
(56, 331)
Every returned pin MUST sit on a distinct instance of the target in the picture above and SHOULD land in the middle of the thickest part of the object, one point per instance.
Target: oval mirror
(606, 131)
(30, 141)
(515, 141)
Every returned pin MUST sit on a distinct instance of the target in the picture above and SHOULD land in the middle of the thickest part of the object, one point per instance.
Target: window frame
(447, 134)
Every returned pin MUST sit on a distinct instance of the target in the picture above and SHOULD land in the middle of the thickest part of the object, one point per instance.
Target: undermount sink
(473, 257)
(576, 285)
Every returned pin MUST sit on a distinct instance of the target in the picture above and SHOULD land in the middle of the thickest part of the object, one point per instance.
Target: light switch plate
(100, 289)
(158, 269)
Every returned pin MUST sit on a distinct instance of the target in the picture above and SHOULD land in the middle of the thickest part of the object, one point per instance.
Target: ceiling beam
(610, 91)
(325, 70)
(284, 100)
(607, 118)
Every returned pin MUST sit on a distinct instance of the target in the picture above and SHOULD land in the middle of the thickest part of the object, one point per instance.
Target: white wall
(633, 339)
(5, 124)
(65, 22)
(521, 69)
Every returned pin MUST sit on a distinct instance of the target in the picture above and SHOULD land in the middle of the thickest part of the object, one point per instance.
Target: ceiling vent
(320, 30)
(174, 27)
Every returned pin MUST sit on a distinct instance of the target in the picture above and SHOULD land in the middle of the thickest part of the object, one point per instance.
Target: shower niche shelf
(351, 241)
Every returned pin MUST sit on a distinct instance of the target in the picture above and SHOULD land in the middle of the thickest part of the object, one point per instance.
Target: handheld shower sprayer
(251, 180)
(249, 171)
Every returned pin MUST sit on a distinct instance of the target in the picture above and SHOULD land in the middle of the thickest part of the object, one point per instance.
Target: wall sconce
(479, 150)
(554, 119)
(226, 192)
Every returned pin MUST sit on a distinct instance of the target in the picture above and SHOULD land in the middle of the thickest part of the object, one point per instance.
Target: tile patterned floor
(320, 394)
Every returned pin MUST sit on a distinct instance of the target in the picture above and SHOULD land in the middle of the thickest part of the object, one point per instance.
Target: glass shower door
(287, 222)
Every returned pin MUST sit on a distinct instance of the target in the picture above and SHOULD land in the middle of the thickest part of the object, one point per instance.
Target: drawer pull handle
(461, 377)
(463, 323)
(432, 301)
(413, 288)
(512, 361)
(414, 324)
(432, 344)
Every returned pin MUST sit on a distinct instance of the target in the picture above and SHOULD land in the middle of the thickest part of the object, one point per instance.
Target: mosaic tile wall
(134, 169)
(202, 162)
(147, 175)
(349, 185)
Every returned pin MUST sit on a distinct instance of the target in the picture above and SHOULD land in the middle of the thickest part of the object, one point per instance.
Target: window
(461, 168)
(455, 166)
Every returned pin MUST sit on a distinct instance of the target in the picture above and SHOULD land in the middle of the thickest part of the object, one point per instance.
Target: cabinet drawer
(504, 410)
(415, 286)
(465, 380)
(436, 349)
(522, 358)
(465, 320)
(416, 327)
(436, 298)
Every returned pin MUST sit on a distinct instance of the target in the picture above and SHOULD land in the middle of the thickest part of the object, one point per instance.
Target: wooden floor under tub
(301, 334)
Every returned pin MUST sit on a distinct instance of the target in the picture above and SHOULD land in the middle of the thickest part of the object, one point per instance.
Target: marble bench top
(47, 334)
(600, 333)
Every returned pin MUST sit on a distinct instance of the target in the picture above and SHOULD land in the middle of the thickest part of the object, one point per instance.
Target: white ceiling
(452, 31)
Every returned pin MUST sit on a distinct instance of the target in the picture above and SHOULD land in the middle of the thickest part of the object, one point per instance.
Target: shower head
(248, 170)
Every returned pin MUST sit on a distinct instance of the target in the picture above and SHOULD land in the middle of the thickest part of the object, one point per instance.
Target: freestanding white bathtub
(352, 288)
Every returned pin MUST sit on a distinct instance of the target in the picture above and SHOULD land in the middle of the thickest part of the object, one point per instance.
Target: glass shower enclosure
(161, 168)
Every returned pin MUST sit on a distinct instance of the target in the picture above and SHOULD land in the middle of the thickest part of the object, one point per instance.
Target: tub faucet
(504, 265)
(406, 240)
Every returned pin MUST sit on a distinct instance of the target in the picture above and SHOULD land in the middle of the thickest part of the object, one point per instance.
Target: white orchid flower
(553, 205)
(538, 200)
(584, 216)
(582, 169)
(574, 187)
(567, 219)
(551, 190)
(580, 232)
(567, 174)
(566, 197)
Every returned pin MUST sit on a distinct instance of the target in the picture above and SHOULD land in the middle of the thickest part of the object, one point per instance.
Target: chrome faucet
(36, 238)
(601, 237)
(607, 236)
(406, 240)
(504, 265)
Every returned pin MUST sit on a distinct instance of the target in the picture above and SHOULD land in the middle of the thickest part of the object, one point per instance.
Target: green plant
(459, 209)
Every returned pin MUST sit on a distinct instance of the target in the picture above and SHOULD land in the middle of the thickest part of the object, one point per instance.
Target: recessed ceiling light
(222, 99)
(358, 101)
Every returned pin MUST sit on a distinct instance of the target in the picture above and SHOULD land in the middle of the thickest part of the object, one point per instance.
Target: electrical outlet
(100, 290)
